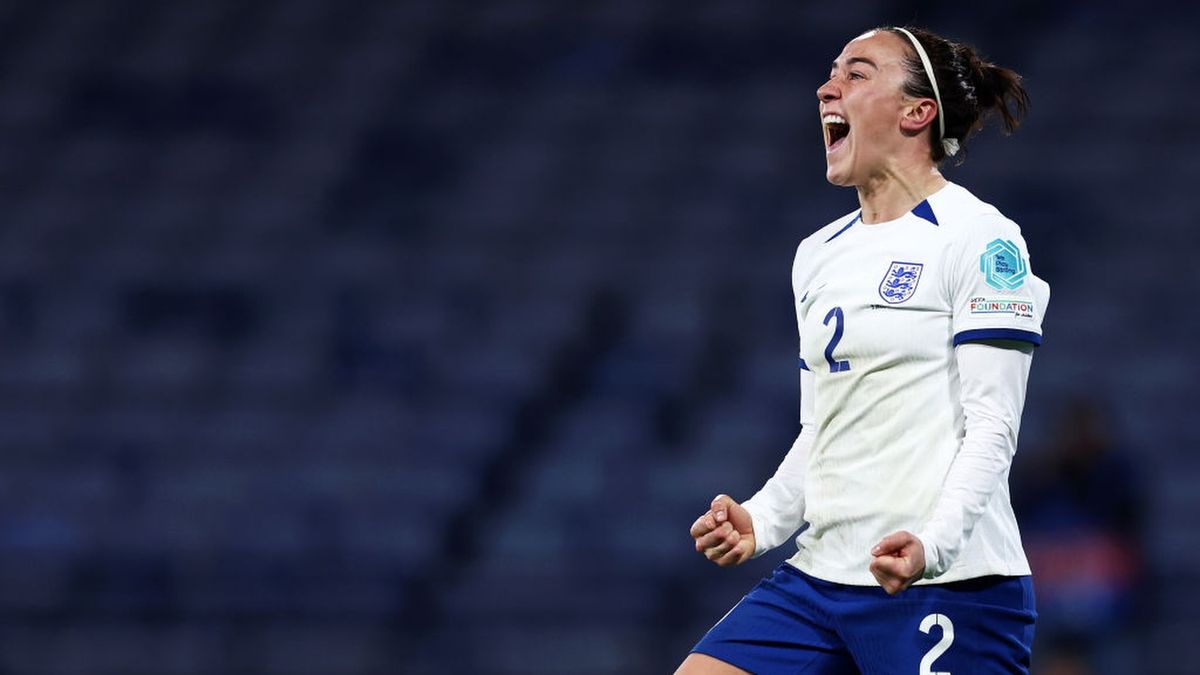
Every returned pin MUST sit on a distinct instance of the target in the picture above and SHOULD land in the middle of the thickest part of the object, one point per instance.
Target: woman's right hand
(725, 534)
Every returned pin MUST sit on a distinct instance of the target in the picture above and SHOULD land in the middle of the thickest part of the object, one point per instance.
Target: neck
(894, 192)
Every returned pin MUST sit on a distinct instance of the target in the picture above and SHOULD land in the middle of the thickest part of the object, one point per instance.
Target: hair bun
(971, 88)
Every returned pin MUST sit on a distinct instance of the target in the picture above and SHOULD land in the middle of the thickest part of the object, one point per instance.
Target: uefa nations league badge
(900, 282)
(1002, 265)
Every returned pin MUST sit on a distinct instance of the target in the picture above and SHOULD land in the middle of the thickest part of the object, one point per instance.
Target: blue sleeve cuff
(997, 334)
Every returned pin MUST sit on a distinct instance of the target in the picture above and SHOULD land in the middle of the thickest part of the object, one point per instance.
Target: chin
(839, 178)
(839, 168)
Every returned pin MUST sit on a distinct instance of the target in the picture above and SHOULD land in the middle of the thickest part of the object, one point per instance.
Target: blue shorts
(794, 623)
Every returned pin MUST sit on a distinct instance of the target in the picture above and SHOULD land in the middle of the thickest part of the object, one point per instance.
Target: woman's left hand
(899, 561)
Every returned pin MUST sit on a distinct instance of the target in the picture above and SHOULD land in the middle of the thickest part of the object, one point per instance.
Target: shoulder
(827, 232)
(985, 245)
(967, 218)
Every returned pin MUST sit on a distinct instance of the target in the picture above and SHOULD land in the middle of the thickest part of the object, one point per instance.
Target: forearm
(777, 510)
(992, 382)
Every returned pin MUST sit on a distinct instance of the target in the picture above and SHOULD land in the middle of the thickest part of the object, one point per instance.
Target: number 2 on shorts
(942, 645)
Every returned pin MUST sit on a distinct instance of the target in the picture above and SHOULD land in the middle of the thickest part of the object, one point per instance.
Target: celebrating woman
(918, 315)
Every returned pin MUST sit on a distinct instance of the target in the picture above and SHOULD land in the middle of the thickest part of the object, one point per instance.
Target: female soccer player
(918, 315)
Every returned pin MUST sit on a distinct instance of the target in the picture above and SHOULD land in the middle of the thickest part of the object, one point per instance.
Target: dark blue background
(411, 336)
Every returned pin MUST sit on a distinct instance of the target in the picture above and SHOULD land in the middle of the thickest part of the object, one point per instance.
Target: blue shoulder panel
(924, 210)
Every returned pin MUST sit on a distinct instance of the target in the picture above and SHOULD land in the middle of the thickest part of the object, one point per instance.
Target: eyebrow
(857, 59)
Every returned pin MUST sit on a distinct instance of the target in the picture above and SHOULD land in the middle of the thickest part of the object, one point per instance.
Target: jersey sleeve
(800, 295)
(994, 292)
(992, 395)
(777, 509)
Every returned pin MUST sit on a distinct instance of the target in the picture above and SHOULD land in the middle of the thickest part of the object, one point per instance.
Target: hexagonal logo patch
(1002, 265)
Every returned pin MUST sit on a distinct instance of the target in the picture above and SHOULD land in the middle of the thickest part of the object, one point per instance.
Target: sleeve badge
(1002, 265)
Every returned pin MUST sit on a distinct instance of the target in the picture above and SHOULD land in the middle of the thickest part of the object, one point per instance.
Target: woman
(918, 316)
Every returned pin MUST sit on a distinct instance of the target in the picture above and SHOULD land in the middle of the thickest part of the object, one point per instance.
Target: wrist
(932, 557)
(755, 519)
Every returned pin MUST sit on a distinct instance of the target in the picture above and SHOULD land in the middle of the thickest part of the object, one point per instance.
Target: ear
(918, 114)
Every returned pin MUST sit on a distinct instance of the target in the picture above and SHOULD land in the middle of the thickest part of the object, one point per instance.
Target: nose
(828, 91)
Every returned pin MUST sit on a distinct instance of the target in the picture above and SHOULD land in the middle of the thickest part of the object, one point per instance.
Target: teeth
(833, 119)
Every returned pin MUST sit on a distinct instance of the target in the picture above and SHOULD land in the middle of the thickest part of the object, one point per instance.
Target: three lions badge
(900, 282)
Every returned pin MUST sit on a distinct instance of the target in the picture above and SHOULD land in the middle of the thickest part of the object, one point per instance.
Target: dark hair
(970, 88)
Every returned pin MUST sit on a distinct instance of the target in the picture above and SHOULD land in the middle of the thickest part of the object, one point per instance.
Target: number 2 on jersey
(942, 645)
(839, 318)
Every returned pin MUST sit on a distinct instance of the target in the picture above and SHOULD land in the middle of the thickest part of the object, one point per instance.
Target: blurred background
(410, 336)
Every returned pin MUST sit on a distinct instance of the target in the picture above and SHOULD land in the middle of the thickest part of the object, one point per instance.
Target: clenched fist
(725, 534)
(899, 561)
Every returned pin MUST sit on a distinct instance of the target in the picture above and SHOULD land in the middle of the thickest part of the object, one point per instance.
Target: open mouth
(836, 131)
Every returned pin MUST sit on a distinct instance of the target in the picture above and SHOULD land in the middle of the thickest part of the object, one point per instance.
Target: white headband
(950, 145)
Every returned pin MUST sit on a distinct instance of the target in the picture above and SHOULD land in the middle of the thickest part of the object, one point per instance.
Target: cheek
(875, 124)
(875, 107)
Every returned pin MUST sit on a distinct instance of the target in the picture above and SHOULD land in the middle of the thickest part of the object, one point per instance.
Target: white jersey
(880, 309)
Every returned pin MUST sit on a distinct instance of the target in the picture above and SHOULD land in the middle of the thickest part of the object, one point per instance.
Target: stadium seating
(411, 336)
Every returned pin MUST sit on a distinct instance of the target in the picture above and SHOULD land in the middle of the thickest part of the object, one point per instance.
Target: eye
(855, 75)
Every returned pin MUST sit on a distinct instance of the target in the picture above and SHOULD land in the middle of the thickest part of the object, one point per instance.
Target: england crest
(900, 282)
